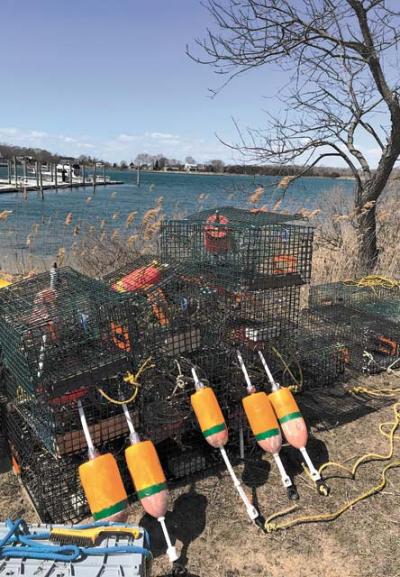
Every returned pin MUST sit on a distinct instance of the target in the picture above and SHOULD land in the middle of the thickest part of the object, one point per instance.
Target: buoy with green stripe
(212, 424)
(148, 479)
(264, 426)
(292, 423)
(101, 481)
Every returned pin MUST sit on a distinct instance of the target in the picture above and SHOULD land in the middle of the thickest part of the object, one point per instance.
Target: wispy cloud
(123, 146)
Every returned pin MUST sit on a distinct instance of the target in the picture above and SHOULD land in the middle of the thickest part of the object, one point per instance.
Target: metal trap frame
(53, 484)
(176, 312)
(372, 342)
(378, 300)
(56, 423)
(240, 247)
(61, 332)
(321, 350)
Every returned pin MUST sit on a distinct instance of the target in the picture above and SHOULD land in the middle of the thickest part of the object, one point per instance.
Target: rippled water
(38, 226)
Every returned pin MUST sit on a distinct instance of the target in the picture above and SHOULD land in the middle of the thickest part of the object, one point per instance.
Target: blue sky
(112, 79)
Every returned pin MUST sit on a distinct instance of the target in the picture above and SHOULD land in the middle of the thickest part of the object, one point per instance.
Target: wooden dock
(30, 184)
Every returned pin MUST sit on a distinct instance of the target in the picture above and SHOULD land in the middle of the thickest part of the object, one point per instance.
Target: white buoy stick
(275, 386)
(250, 388)
(132, 433)
(86, 432)
(313, 471)
(287, 482)
(197, 383)
(171, 550)
(251, 510)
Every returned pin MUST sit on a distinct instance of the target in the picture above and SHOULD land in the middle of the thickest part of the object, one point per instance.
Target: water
(40, 226)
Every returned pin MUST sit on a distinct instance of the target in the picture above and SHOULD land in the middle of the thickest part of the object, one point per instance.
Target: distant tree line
(9, 151)
(163, 163)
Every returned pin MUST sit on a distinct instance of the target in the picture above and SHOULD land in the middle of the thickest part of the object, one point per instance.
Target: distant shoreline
(194, 173)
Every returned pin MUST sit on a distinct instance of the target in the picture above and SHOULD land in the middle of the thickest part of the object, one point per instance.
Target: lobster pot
(53, 484)
(176, 313)
(258, 316)
(56, 340)
(166, 416)
(56, 424)
(371, 340)
(240, 247)
(322, 366)
(377, 300)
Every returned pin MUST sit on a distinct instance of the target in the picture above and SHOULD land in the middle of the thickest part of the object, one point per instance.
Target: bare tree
(217, 165)
(343, 89)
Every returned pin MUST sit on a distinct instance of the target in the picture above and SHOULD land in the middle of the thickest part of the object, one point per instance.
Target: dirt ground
(211, 530)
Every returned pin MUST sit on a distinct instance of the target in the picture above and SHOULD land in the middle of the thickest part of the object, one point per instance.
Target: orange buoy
(104, 488)
(290, 417)
(101, 481)
(142, 279)
(292, 423)
(216, 234)
(210, 417)
(139, 279)
(265, 427)
(148, 479)
(213, 427)
(263, 422)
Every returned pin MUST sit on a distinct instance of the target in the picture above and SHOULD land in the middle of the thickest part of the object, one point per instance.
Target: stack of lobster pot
(180, 322)
(256, 261)
(65, 339)
(366, 320)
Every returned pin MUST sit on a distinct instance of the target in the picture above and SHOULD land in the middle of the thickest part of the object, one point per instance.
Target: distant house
(190, 167)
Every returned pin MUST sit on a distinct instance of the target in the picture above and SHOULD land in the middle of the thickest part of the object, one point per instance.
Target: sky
(112, 79)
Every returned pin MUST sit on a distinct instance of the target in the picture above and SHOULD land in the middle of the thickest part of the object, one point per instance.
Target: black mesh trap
(175, 311)
(371, 341)
(239, 247)
(167, 417)
(53, 484)
(321, 350)
(377, 300)
(55, 420)
(61, 333)
(258, 316)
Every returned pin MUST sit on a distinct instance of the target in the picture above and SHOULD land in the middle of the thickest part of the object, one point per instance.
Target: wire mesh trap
(56, 424)
(53, 484)
(259, 316)
(64, 331)
(372, 341)
(379, 300)
(176, 313)
(321, 350)
(167, 416)
(253, 249)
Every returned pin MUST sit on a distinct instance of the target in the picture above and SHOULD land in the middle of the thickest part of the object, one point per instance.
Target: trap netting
(55, 421)
(63, 331)
(239, 247)
(321, 351)
(175, 311)
(371, 340)
(379, 300)
(259, 316)
(53, 483)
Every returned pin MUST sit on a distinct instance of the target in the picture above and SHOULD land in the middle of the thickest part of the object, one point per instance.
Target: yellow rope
(270, 526)
(324, 517)
(130, 379)
(374, 280)
(296, 388)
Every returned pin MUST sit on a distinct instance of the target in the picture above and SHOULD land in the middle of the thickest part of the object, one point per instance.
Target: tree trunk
(367, 241)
